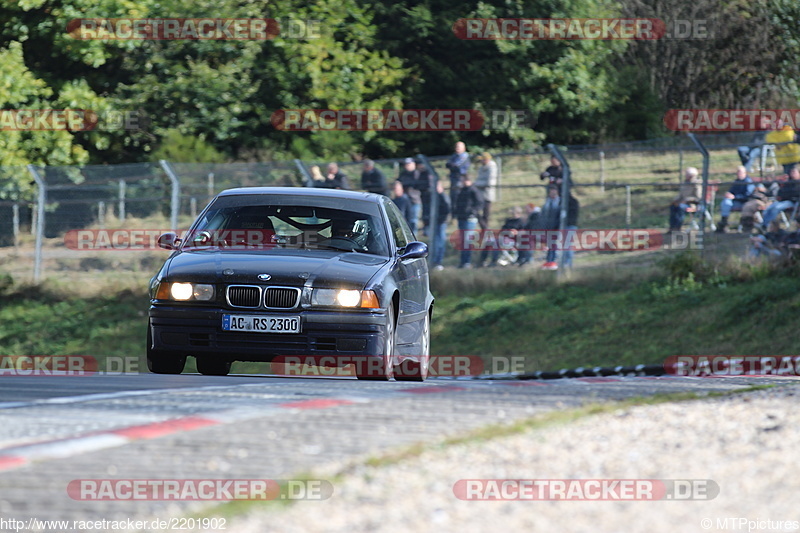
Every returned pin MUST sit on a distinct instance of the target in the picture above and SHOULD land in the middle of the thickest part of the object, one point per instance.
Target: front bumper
(198, 331)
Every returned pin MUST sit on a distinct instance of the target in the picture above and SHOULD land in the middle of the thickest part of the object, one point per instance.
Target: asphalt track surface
(57, 429)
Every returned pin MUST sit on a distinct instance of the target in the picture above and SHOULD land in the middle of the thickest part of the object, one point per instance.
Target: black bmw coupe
(332, 276)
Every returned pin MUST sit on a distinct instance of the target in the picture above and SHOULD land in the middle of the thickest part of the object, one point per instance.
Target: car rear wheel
(162, 361)
(212, 366)
(381, 369)
(410, 370)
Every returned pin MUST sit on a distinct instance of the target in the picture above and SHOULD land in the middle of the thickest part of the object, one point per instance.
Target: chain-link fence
(42, 210)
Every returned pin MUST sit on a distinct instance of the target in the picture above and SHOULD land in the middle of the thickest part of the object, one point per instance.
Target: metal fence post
(176, 194)
(565, 193)
(15, 223)
(304, 172)
(499, 161)
(627, 207)
(101, 214)
(210, 186)
(704, 152)
(602, 171)
(121, 200)
(433, 214)
(41, 199)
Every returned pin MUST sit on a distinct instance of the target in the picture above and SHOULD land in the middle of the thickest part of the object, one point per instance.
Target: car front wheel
(162, 361)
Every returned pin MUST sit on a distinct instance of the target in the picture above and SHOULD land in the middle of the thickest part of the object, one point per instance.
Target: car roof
(304, 191)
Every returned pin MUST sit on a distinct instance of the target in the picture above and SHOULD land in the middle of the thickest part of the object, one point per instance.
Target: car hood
(347, 270)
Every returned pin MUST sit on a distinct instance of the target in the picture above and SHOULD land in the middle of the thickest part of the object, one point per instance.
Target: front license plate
(261, 324)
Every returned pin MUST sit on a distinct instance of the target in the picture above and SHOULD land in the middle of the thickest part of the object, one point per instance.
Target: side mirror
(415, 250)
(168, 241)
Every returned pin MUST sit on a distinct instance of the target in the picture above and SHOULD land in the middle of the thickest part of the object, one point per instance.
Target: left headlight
(183, 292)
(344, 298)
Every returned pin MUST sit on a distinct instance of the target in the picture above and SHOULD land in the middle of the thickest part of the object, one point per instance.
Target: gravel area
(747, 443)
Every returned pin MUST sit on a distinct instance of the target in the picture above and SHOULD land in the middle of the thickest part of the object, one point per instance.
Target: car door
(411, 276)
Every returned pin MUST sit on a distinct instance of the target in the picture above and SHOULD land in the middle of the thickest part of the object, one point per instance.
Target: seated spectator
(335, 179)
(752, 208)
(487, 184)
(787, 151)
(688, 197)
(401, 200)
(512, 225)
(739, 193)
(373, 180)
(772, 243)
(787, 198)
(531, 223)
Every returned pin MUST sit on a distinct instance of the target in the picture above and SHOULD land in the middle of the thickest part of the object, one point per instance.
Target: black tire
(213, 366)
(163, 361)
(410, 370)
(383, 371)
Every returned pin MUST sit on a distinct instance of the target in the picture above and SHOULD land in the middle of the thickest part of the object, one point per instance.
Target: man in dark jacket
(373, 180)
(740, 192)
(401, 200)
(439, 233)
(788, 195)
(468, 206)
(335, 179)
(411, 178)
(458, 165)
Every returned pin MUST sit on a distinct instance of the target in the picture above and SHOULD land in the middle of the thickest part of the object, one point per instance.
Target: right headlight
(344, 298)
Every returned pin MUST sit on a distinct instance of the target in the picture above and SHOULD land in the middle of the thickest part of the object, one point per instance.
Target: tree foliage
(213, 100)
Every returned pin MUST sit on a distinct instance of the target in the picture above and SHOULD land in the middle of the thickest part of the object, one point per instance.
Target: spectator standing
(573, 209)
(424, 184)
(787, 198)
(787, 151)
(316, 177)
(410, 178)
(373, 180)
(554, 173)
(688, 197)
(440, 228)
(487, 185)
(468, 206)
(335, 179)
(458, 165)
(549, 220)
(401, 200)
(740, 192)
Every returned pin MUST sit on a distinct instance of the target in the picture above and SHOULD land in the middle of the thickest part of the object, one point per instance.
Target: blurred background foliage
(211, 101)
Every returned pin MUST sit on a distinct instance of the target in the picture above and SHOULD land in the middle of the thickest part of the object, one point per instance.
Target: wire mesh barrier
(68, 221)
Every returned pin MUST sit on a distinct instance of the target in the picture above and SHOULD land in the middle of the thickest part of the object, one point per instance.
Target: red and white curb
(19, 456)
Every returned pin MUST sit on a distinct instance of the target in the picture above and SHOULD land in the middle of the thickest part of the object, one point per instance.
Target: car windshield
(252, 222)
